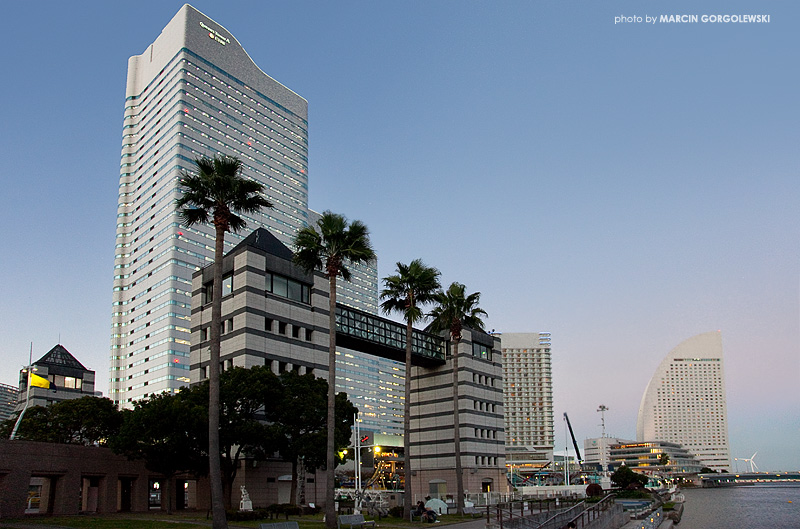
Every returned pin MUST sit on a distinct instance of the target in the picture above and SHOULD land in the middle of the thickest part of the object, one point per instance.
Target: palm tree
(455, 310)
(217, 193)
(328, 250)
(413, 285)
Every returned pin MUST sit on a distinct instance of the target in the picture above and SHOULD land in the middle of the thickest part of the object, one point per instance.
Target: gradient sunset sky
(622, 186)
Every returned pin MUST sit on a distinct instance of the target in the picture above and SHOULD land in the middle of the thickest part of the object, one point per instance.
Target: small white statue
(245, 504)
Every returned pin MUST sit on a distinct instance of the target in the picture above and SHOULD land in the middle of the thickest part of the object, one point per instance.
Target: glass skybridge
(365, 332)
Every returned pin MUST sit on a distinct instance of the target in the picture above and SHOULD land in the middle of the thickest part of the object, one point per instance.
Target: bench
(472, 511)
(279, 525)
(353, 521)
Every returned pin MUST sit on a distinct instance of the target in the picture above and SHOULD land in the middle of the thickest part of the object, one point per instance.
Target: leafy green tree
(624, 477)
(35, 426)
(85, 421)
(242, 432)
(217, 193)
(300, 423)
(455, 310)
(412, 286)
(329, 247)
(167, 432)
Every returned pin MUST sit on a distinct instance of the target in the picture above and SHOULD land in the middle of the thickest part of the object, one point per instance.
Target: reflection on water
(762, 506)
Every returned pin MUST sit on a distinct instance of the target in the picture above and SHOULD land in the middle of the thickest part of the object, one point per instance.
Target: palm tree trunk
(214, 467)
(407, 493)
(330, 459)
(293, 488)
(457, 433)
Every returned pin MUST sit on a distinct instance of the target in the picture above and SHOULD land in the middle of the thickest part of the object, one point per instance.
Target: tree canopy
(624, 477)
(85, 421)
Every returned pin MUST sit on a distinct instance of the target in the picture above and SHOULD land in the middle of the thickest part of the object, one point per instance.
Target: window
(288, 288)
(268, 324)
(482, 351)
(227, 288)
(295, 331)
(309, 334)
(282, 327)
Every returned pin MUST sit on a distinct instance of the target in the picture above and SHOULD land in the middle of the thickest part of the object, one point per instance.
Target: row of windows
(276, 366)
(484, 406)
(483, 380)
(486, 461)
(485, 434)
(284, 328)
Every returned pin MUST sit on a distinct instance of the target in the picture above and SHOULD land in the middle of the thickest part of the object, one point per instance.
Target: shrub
(244, 516)
(594, 489)
(396, 511)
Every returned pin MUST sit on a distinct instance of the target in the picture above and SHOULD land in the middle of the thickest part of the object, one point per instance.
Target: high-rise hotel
(193, 92)
(528, 400)
(685, 402)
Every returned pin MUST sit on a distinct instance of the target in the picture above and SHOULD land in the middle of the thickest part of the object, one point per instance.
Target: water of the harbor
(761, 506)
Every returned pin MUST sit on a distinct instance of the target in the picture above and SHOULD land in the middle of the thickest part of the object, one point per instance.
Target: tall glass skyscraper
(685, 401)
(193, 92)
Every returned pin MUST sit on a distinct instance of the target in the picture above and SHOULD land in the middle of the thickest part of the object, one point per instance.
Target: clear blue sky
(623, 187)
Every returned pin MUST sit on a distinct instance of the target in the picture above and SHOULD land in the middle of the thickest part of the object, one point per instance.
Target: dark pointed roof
(264, 240)
(59, 356)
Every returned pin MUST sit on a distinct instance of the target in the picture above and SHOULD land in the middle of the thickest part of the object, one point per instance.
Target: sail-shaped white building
(685, 401)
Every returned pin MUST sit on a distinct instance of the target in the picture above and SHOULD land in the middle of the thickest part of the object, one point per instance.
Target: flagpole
(29, 370)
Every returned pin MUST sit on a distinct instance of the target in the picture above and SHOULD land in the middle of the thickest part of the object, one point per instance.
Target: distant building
(67, 377)
(597, 452)
(647, 457)
(527, 400)
(685, 402)
(8, 401)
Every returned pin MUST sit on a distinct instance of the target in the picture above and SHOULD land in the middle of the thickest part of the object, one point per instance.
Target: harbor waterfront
(760, 506)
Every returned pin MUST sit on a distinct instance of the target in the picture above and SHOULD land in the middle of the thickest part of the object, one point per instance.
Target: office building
(193, 92)
(64, 375)
(685, 403)
(481, 428)
(597, 452)
(275, 314)
(8, 401)
(528, 401)
(653, 457)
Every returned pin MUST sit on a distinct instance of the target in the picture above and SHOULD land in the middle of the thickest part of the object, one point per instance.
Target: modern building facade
(481, 429)
(597, 452)
(68, 379)
(275, 314)
(8, 401)
(527, 400)
(685, 402)
(193, 92)
(653, 457)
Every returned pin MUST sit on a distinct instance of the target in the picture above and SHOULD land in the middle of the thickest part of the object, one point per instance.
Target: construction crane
(578, 457)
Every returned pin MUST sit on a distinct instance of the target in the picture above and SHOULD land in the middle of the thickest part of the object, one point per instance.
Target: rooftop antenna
(603, 409)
